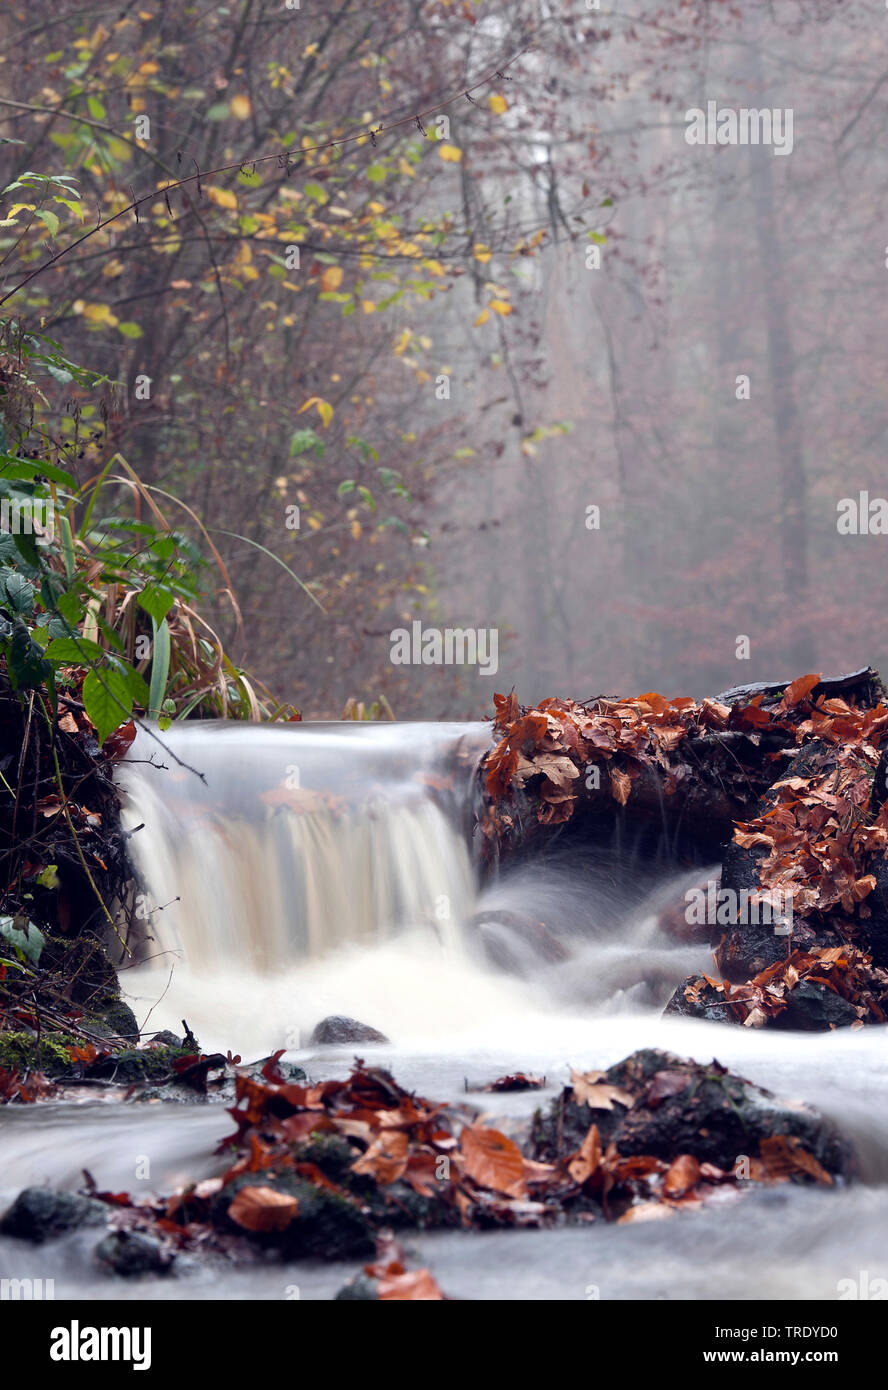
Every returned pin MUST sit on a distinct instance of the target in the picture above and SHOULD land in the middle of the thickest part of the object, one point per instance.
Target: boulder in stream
(131, 1253)
(659, 1105)
(38, 1214)
(337, 1030)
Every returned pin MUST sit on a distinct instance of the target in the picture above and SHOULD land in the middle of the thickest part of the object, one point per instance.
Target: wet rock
(130, 1254)
(120, 1018)
(38, 1214)
(360, 1289)
(516, 943)
(327, 1226)
(139, 1064)
(168, 1039)
(706, 1002)
(338, 1030)
(812, 1008)
(683, 1107)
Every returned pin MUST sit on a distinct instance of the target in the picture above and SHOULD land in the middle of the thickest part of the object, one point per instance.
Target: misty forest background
(472, 257)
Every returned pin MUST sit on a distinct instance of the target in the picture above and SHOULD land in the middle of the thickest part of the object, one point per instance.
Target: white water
(356, 894)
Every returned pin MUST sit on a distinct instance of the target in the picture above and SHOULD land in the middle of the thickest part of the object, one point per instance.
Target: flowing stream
(329, 869)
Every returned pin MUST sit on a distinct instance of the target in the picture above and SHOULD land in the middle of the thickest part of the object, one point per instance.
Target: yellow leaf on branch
(324, 408)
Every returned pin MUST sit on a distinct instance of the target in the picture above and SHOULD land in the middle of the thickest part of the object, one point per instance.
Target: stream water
(325, 869)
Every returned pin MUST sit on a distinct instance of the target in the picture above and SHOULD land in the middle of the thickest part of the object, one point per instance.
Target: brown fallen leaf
(493, 1160)
(621, 785)
(663, 1085)
(683, 1174)
(645, 1211)
(414, 1285)
(589, 1089)
(263, 1209)
(386, 1158)
(796, 691)
(587, 1160)
(784, 1154)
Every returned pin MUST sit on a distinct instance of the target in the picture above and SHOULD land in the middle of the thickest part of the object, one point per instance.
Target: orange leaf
(621, 785)
(263, 1209)
(683, 1174)
(585, 1163)
(798, 689)
(417, 1286)
(386, 1158)
(492, 1160)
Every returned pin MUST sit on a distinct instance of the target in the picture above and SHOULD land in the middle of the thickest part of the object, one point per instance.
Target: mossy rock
(140, 1064)
(682, 1107)
(327, 1226)
(50, 1054)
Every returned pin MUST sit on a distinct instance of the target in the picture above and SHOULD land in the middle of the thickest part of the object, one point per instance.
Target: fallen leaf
(263, 1209)
(683, 1174)
(588, 1160)
(493, 1160)
(589, 1089)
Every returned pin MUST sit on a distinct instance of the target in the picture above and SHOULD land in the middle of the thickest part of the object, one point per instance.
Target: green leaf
(16, 469)
(23, 935)
(49, 220)
(24, 660)
(96, 109)
(134, 682)
(303, 440)
(129, 329)
(107, 701)
(16, 593)
(348, 485)
(156, 601)
(49, 877)
(377, 173)
(315, 191)
(367, 498)
(160, 667)
(73, 651)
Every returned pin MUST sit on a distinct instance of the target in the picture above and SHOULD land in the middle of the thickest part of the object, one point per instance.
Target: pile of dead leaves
(370, 1156)
(846, 972)
(818, 833)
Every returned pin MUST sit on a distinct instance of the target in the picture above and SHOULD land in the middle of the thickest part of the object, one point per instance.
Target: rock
(708, 1003)
(684, 1107)
(327, 1226)
(121, 1019)
(337, 1031)
(360, 1289)
(168, 1039)
(815, 1008)
(139, 1064)
(39, 1213)
(130, 1253)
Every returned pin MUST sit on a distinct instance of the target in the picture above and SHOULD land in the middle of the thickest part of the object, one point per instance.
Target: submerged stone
(38, 1214)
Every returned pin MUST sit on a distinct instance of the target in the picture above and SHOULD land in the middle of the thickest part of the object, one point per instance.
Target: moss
(148, 1064)
(50, 1054)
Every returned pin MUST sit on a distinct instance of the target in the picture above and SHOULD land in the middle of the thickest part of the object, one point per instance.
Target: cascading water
(328, 869)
